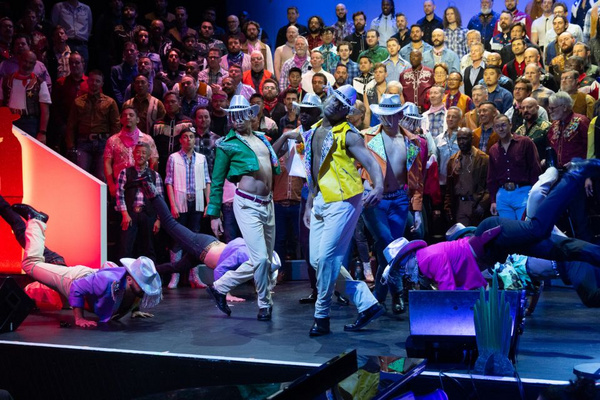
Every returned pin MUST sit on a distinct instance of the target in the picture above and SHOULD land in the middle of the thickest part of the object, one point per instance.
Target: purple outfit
(102, 290)
(234, 255)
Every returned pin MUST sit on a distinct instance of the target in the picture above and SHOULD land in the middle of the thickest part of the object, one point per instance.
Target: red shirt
(569, 139)
(519, 164)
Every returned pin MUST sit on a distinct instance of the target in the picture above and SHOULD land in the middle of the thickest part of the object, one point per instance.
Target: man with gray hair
(473, 37)
(581, 103)
(471, 118)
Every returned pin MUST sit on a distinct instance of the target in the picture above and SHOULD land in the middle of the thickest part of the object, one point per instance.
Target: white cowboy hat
(458, 231)
(239, 104)
(400, 247)
(143, 271)
(310, 100)
(389, 105)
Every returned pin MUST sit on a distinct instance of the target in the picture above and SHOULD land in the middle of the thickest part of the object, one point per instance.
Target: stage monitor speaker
(15, 305)
(442, 327)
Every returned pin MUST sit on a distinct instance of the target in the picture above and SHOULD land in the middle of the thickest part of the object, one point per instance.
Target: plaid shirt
(353, 70)
(342, 29)
(456, 40)
(139, 195)
(190, 181)
(436, 121)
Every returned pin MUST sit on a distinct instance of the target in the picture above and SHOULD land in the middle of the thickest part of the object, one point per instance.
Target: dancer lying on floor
(110, 292)
(457, 264)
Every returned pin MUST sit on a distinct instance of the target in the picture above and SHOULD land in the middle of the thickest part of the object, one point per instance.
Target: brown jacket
(494, 138)
(479, 172)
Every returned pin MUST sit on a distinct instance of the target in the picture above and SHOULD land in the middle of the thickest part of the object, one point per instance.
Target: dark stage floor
(561, 333)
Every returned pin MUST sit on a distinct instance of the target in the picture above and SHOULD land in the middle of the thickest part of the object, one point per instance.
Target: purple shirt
(102, 290)
(451, 265)
(233, 255)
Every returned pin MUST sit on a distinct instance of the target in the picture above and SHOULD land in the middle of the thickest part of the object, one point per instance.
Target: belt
(138, 209)
(190, 197)
(287, 203)
(510, 186)
(252, 198)
(95, 136)
(18, 111)
(395, 194)
(466, 198)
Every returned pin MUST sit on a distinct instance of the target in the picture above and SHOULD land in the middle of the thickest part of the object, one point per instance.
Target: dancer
(110, 292)
(397, 152)
(456, 265)
(335, 203)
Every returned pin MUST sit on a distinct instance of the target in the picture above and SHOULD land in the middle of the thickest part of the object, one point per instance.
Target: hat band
(346, 99)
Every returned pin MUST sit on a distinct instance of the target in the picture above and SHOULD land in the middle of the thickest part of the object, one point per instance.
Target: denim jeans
(191, 220)
(533, 237)
(90, 156)
(512, 204)
(286, 227)
(386, 222)
(585, 279)
(28, 124)
(190, 242)
(331, 229)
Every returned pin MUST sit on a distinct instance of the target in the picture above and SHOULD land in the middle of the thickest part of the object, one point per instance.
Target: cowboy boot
(174, 281)
(195, 280)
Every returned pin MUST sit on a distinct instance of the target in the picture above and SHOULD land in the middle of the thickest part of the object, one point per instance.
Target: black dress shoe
(220, 300)
(310, 299)
(28, 212)
(320, 327)
(365, 317)
(398, 304)
(264, 314)
(341, 299)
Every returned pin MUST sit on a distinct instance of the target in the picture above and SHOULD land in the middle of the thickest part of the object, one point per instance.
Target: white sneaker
(174, 281)
(195, 281)
(368, 272)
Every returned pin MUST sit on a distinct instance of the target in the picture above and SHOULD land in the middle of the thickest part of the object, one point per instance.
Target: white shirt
(307, 80)
(542, 26)
(17, 95)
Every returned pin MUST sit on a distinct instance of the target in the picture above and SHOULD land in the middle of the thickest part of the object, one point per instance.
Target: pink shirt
(451, 265)
(122, 155)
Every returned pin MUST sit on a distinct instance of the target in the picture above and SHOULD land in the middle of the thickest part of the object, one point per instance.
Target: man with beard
(522, 90)
(566, 42)
(533, 73)
(515, 68)
(417, 80)
(273, 108)
(340, 76)
(398, 153)
(485, 22)
(292, 16)
(315, 29)
(440, 54)
(403, 35)
(583, 50)
(214, 74)
(467, 199)
(586, 84)
(342, 26)
(534, 126)
(156, 87)
(517, 17)
(385, 23)
(416, 42)
(251, 30)
(257, 75)
(358, 39)
(235, 55)
(430, 22)
(299, 61)
(374, 51)
(582, 103)
(206, 42)
(502, 38)
(233, 29)
(553, 48)
(335, 204)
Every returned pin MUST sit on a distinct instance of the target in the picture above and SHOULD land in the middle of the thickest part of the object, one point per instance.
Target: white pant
(331, 228)
(257, 224)
(56, 277)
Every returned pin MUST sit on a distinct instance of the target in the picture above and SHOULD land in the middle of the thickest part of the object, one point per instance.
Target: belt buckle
(510, 186)
(138, 209)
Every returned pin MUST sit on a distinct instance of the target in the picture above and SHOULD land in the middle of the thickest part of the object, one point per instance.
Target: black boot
(28, 212)
(310, 299)
(264, 314)
(320, 327)
(398, 306)
(365, 317)
(220, 300)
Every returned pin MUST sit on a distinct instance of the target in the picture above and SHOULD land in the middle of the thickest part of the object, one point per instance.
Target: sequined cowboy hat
(240, 108)
(458, 231)
(410, 110)
(400, 247)
(310, 100)
(143, 271)
(389, 105)
(346, 94)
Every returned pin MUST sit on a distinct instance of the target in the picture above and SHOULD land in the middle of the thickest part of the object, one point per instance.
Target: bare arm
(171, 195)
(80, 320)
(281, 145)
(356, 146)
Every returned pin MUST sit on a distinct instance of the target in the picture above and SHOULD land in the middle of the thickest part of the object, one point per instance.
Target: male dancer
(246, 157)
(336, 201)
(397, 152)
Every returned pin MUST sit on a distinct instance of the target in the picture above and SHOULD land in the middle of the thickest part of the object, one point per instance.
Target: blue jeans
(191, 220)
(90, 156)
(331, 229)
(512, 204)
(533, 237)
(286, 218)
(386, 222)
(190, 242)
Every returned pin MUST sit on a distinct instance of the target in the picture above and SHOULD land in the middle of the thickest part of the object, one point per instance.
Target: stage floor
(561, 333)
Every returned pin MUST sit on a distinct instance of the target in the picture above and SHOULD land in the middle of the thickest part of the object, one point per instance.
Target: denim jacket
(234, 159)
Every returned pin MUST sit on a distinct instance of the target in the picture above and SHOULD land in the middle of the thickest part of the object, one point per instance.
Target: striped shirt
(190, 181)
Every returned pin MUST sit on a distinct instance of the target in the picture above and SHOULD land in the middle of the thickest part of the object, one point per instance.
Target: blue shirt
(121, 76)
(501, 98)
(448, 57)
(484, 24)
(394, 70)
(405, 51)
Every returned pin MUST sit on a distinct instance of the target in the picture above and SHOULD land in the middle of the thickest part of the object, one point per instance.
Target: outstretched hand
(141, 314)
(373, 197)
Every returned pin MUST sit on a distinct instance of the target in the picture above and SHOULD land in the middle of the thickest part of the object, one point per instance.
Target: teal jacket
(234, 158)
